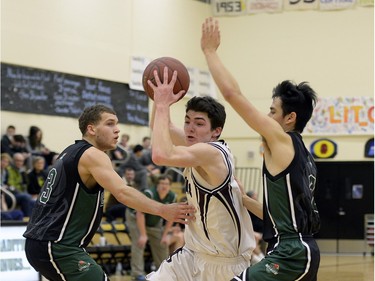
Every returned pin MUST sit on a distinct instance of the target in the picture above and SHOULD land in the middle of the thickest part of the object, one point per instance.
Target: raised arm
(164, 152)
(228, 86)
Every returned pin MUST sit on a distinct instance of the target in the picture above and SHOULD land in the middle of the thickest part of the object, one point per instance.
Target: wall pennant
(323, 148)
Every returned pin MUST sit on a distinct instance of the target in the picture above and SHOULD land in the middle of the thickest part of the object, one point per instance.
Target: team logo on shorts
(272, 268)
(83, 266)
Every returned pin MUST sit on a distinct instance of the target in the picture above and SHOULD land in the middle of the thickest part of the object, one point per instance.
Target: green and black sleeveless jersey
(289, 196)
(66, 211)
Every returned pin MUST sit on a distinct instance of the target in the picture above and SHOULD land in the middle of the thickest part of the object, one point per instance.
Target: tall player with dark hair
(69, 208)
(289, 211)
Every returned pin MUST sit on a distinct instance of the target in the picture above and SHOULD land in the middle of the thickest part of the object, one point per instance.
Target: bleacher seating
(117, 248)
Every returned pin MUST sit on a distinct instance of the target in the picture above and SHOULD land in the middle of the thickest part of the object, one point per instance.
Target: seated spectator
(141, 178)
(122, 149)
(6, 159)
(7, 140)
(145, 228)
(20, 145)
(153, 170)
(115, 209)
(36, 176)
(7, 214)
(176, 238)
(37, 147)
(16, 182)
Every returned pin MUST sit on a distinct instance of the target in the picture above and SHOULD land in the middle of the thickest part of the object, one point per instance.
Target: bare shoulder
(94, 167)
(94, 157)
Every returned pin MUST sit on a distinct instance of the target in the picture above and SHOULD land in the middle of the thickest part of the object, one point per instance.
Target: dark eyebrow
(199, 118)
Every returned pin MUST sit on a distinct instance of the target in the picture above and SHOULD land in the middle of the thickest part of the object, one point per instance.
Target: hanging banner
(264, 6)
(228, 7)
(248, 7)
(292, 5)
(343, 115)
(336, 4)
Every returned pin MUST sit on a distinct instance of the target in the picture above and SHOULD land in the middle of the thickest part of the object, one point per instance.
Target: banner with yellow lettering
(342, 115)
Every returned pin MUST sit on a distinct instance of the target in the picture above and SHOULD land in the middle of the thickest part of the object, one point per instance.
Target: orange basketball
(183, 78)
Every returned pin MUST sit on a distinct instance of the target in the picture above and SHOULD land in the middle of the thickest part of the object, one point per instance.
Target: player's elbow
(158, 157)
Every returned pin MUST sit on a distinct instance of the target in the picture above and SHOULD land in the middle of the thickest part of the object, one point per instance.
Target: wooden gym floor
(332, 268)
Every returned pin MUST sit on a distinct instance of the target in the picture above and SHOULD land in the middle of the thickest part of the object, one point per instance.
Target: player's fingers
(174, 78)
(165, 75)
(157, 78)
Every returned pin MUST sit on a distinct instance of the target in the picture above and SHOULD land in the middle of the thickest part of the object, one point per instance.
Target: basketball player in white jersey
(219, 243)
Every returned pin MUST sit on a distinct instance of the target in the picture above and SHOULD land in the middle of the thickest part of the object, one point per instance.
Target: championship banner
(264, 6)
(326, 5)
(293, 5)
(228, 7)
(343, 115)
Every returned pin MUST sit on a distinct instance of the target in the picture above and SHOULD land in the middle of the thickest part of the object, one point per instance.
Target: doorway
(344, 194)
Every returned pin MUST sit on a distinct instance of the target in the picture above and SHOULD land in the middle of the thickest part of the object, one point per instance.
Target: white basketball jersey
(223, 226)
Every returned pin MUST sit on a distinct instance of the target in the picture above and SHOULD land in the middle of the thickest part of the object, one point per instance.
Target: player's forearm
(162, 145)
(253, 206)
(132, 198)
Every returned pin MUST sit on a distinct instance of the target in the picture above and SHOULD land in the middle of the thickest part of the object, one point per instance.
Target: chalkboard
(32, 90)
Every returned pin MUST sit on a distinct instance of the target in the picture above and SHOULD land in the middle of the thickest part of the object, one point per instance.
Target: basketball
(183, 78)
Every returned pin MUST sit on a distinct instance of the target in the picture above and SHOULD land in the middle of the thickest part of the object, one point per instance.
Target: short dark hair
(19, 138)
(164, 177)
(92, 115)
(300, 99)
(137, 148)
(215, 110)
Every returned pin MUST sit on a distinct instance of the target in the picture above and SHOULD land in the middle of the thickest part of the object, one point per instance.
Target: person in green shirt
(145, 228)
(16, 182)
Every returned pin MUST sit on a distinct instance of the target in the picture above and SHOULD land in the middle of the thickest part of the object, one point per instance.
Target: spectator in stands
(122, 149)
(37, 147)
(153, 170)
(16, 182)
(37, 176)
(175, 238)
(7, 214)
(115, 209)
(141, 177)
(7, 140)
(20, 145)
(145, 228)
(6, 159)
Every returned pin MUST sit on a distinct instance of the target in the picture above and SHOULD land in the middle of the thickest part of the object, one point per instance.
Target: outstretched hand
(178, 212)
(163, 91)
(210, 40)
